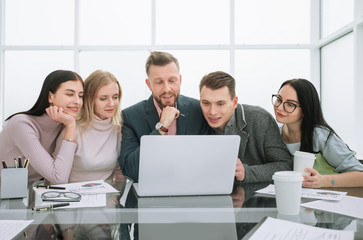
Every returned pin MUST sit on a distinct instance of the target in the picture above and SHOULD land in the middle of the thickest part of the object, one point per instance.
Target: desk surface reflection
(127, 216)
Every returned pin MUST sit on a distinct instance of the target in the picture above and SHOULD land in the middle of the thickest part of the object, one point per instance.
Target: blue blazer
(141, 118)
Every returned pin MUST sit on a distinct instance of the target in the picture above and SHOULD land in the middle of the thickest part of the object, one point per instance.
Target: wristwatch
(159, 126)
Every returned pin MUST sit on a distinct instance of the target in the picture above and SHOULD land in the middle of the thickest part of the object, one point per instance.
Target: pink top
(97, 152)
(34, 137)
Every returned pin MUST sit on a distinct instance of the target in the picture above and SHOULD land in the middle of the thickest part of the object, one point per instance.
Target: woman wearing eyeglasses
(297, 107)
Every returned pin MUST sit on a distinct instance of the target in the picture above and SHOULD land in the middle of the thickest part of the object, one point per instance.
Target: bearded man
(166, 112)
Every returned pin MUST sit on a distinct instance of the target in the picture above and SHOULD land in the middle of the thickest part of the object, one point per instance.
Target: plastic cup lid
(287, 176)
(304, 154)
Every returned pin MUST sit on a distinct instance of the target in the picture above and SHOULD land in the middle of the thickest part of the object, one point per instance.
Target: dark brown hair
(217, 80)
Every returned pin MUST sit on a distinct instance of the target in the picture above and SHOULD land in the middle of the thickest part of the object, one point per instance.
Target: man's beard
(161, 105)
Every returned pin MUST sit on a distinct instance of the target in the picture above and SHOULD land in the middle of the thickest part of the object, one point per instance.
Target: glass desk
(127, 216)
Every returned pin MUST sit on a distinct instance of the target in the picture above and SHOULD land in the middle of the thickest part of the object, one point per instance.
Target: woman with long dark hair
(298, 108)
(32, 134)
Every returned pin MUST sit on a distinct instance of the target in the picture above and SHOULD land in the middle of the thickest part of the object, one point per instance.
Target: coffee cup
(303, 160)
(288, 186)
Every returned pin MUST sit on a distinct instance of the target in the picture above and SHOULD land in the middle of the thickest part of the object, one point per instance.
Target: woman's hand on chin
(57, 114)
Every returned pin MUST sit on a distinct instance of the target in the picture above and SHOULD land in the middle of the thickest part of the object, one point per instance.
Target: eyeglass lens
(288, 107)
(58, 194)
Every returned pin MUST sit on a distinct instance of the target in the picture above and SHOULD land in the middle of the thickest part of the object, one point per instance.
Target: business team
(59, 133)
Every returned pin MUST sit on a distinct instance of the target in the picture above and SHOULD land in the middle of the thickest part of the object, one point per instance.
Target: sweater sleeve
(335, 151)
(26, 136)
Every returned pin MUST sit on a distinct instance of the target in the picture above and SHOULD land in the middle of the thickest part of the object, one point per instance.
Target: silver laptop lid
(187, 164)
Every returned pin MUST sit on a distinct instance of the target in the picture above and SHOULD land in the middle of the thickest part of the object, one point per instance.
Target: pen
(50, 187)
(15, 163)
(51, 206)
(26, 163)
(19, 162)
(4, 164)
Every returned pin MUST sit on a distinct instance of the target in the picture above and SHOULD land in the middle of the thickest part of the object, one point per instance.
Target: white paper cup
(288, 186)
(303, 160)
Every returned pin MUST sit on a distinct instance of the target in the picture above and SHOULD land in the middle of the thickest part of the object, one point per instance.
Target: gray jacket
(262, 150)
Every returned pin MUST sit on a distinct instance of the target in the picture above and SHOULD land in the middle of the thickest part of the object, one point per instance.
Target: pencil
(19, 162)
(51, 206)
(4, 164)
(50, 187)
(26, 163)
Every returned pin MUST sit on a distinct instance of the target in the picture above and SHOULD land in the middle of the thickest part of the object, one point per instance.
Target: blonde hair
(92, 85)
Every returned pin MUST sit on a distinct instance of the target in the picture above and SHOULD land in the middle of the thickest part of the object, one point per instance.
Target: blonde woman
(98, 129)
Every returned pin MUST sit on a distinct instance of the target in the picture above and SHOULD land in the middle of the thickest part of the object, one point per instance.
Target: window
(261, 43)
(24, 74)
(114, 22)
(335, 15)
(272, 22)
(117, 36)
(192, 22)
(259, 73)
(39, 22)
(341, 49)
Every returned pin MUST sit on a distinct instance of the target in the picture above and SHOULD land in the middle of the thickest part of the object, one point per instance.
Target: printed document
(349, 206)
(89, 187)
(272, 229)
(89, 200)
(93, 194)
(9, 229)
(309, 193)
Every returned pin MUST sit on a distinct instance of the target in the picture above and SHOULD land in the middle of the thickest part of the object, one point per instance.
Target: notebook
(181, 165)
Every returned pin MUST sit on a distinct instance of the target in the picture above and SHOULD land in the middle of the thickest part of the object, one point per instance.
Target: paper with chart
(273, 229)
(93, 194)
(89, 200)
(9, 229)
(89, 187)
(309, 193)
(349, 206)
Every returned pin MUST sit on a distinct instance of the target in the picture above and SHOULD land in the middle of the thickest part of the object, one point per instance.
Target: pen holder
(14, 183)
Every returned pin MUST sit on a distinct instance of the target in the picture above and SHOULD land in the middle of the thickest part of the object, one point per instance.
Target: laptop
(182, 165)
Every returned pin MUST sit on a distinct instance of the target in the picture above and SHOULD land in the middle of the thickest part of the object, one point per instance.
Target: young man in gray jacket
(262, 151)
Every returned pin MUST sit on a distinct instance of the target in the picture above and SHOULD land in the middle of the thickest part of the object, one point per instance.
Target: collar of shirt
(172, 128)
